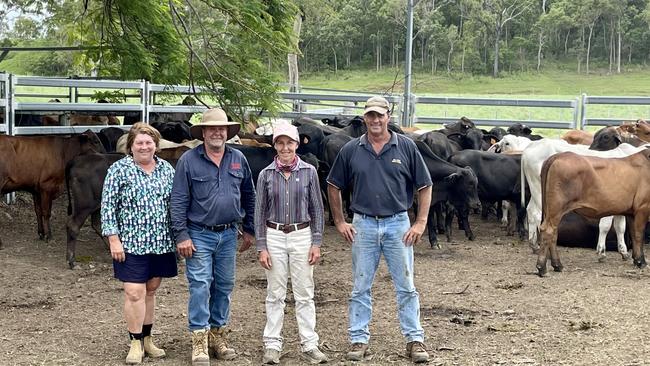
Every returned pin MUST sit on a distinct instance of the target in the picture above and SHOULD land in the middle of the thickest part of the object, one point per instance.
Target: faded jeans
(290, 257)
(211, 277)
(375, 237)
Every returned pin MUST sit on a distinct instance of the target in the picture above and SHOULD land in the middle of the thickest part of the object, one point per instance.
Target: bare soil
(481, 304)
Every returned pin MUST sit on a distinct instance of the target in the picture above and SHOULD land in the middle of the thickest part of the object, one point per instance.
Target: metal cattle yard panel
(608, 100)
(544, 103)
(4, 103)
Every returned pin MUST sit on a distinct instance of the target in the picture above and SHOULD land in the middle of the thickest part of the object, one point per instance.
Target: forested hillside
(477, 36)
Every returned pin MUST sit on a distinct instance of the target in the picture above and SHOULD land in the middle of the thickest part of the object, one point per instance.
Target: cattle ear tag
(305, 140)
(396, 161)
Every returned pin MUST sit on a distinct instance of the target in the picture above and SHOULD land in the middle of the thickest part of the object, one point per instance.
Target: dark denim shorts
(142, 268)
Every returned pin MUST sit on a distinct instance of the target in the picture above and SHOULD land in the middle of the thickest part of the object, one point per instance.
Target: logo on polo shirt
(396, 161)
(235, 166)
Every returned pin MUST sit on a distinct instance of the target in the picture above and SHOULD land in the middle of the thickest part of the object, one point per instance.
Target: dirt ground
(481, 304)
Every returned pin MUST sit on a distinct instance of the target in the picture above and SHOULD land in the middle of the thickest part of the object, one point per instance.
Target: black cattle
(311, 138)
(173, 131)
(498, 134)
(439, 144)
(578, 231)
(472, 139)
(451, 184)
(85, 176)
(357, 127)
(519, 129)
(336, 121)
(498, 180)
(304, 121)
(258, 157)
(109, 136)
(331, 146)
(461, 126)
(606, 139)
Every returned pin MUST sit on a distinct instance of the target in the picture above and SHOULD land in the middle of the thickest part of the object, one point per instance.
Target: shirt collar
(363, 140)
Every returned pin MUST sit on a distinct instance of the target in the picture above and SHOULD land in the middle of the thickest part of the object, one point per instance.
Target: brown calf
(594, 188)
(578, 137)
(36, 164)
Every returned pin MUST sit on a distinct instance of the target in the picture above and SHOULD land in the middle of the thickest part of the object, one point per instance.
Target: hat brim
(275, 137)
(197, 130)
(380, 110)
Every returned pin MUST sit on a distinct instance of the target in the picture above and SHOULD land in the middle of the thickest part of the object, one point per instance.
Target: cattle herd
(551, 191)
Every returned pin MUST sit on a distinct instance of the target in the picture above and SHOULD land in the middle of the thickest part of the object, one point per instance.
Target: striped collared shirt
(292, 200)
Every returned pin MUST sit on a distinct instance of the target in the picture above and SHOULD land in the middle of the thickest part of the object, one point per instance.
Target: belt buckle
(286, 228)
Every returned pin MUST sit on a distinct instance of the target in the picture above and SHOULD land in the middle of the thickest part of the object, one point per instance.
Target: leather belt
(378, 217)
(287, 228)
(219, 228)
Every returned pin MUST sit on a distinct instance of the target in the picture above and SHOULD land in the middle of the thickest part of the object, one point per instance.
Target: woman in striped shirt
(288, 233)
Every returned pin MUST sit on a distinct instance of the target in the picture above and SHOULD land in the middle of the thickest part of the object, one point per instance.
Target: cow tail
(68, 167)
(522, 176)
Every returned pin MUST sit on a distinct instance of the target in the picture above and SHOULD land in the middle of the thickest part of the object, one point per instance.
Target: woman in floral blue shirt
(136, 220)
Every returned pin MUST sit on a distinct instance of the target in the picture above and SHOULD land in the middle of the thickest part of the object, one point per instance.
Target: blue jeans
(211, 276)
(374, 237)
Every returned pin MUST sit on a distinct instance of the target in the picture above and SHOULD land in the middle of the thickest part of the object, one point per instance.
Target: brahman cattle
(593, 187)
(578, 137)
(531, 166)
(36, 164)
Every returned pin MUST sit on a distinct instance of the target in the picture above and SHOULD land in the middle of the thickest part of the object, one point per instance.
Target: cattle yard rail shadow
(309, 102)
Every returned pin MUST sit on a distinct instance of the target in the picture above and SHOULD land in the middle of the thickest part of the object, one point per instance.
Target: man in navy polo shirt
(384, 169)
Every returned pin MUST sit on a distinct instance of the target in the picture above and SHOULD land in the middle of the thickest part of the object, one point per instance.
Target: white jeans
(290, 256)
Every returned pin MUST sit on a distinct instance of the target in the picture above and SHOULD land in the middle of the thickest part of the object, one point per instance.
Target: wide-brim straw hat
(214, 117)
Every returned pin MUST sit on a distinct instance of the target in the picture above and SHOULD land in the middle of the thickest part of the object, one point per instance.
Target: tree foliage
(217, 45)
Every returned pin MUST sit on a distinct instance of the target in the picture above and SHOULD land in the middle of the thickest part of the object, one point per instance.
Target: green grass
(560, 85)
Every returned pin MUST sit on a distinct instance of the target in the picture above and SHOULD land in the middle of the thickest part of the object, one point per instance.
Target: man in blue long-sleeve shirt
(213, 192)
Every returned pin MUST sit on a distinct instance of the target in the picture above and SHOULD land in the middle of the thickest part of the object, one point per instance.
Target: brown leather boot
(219, 344)
(200, 355)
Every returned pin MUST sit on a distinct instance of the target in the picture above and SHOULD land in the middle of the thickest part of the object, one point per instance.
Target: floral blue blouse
(135, 206)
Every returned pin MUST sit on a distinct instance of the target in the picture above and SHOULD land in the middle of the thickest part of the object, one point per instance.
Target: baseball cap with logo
(286, 129)
(377, 104)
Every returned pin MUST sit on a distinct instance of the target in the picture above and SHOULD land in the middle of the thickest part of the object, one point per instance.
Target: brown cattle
(88, 120)
(36, 164)
(594, 188)
(578, 137)
(642, 130)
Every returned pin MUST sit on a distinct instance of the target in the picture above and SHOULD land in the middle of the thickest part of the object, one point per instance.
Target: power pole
(406, 116)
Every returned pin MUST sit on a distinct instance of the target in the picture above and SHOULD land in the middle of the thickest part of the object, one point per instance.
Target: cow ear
(527, 130)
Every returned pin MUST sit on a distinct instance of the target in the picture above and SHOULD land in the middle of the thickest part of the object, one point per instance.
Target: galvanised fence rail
(309, 102)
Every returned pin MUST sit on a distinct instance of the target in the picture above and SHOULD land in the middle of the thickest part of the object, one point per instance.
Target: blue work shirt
(207, 194)
(382, 184)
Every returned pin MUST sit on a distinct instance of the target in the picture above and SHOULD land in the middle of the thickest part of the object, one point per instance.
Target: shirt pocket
(236, 178)
(202, 186)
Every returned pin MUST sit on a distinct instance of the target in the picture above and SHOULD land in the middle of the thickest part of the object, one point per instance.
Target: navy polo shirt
(382, 184)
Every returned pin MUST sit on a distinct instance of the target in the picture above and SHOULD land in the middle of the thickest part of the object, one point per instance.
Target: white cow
(533, 158)
(510, 143)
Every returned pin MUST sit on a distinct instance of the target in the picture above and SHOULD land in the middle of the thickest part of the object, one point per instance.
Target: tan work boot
(219, 344)
(151, 350)
(417, 352)
(200, 355)
(135, 353)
